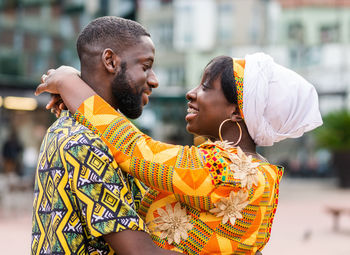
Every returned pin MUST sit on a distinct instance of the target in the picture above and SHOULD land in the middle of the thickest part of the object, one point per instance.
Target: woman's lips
(192, 110)
(191, 113)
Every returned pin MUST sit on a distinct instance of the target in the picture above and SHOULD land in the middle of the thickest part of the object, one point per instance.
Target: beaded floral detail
(224, 144)
(229, 208)
(244, 168)
(173, 223)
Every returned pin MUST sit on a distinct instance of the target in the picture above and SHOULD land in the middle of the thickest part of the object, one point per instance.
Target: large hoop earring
(239, 127)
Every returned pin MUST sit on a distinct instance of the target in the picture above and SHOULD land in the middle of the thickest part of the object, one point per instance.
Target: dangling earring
(239, 127)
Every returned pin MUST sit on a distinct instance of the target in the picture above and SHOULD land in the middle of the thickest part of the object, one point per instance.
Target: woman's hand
(65, 83)
(54, 78)
(56, 105)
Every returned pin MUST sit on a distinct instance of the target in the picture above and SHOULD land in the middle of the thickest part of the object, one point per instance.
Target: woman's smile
(191, 113)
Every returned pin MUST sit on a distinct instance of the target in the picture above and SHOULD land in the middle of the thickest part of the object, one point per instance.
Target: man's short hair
(110, 32)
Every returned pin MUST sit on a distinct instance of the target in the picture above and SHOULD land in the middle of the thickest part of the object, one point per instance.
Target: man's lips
(145, 96)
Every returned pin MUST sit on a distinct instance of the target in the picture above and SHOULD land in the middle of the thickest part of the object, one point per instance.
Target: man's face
(134, 82)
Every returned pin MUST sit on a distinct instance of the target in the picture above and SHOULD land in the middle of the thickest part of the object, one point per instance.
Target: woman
(220, 197)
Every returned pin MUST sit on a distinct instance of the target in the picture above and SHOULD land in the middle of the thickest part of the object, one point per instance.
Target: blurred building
(35, 35)
(309, 36)
(188, 34)
(317, 36)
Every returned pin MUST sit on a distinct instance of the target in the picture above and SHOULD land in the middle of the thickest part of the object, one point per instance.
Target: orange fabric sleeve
(182, 170)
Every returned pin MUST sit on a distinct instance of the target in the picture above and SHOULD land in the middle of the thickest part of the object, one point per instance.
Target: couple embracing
(104, 187)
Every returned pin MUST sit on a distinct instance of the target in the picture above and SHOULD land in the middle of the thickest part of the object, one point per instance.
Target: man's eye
(146, 67)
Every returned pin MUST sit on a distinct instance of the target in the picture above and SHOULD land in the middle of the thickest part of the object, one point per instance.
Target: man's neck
(99, 85)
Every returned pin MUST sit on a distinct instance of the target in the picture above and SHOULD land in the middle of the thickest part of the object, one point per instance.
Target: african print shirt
(211, 199)
(80, 193)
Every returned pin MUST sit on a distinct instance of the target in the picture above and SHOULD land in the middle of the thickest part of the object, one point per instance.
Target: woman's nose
(190, 95)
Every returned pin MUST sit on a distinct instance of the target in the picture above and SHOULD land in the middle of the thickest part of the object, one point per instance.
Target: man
(83, 203)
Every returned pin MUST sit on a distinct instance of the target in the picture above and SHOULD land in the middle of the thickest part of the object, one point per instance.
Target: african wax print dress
(211, 199)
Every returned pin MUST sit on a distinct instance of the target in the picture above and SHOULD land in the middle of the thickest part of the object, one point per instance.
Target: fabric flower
(224, 144)
(244, 168)
(173, 223)
(229, 208)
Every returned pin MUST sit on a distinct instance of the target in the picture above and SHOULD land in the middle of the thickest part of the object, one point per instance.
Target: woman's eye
(205, 86)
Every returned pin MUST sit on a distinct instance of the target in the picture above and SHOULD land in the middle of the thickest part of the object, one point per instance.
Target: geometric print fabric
(196, 176)
(80, 193)
(238, 73)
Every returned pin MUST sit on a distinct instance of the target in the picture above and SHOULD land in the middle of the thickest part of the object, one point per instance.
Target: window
(329, 33)
(296, 32)
(225, 22)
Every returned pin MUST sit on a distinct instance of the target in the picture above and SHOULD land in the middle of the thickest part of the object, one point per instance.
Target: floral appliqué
(173, 223)
(224, 144)
(244, 168)
(230, 207)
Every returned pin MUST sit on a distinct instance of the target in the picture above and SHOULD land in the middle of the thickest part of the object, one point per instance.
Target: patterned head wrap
(275, 102)
(238, 72)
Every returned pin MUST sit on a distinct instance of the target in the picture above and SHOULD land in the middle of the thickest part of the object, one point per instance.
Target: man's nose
(152, 80)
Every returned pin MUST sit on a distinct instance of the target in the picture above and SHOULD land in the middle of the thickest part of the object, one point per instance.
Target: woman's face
(207, 108)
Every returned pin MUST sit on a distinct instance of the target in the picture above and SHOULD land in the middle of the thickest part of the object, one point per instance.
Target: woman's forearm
(66, 81)
(161, 166)
(74, 92)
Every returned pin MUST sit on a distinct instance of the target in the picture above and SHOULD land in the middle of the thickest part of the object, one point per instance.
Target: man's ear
(111, 61)
(235, 114)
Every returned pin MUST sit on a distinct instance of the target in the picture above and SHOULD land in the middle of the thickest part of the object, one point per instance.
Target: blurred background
(312, 37)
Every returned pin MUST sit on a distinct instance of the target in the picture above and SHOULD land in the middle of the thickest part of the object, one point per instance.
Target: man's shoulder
(67, 129)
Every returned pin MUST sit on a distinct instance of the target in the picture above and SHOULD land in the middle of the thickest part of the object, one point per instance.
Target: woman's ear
(235, 114)
(111, 61)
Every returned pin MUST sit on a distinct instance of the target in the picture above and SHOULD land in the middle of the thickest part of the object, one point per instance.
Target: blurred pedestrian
(12, 154)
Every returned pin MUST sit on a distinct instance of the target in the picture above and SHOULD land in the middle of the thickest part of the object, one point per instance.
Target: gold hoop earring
(239, 127)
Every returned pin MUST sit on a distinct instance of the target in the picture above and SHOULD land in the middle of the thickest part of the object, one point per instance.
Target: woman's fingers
(44, 87)
(53, 101)
(40, 89)
(43, 78)
(51, 80)
(50, 71)
(62, 106)
(56, 105)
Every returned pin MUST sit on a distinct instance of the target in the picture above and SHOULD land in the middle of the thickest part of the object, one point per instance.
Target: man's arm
(131, 242)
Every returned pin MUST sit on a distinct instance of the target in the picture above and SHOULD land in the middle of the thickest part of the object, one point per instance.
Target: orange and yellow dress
(210, 199)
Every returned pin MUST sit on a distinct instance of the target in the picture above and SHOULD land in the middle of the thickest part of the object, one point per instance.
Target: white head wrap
(277, 102)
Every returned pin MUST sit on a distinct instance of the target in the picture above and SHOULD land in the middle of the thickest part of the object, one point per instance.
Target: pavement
(302, 225)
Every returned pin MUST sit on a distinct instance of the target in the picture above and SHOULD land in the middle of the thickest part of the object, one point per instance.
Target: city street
(302, 226)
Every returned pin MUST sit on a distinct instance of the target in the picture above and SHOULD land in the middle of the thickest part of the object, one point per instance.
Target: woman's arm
(181, 170)
(172, 168)
(66, 82)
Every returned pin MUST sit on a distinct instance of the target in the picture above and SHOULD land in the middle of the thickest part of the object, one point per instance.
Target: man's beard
(128, 101)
